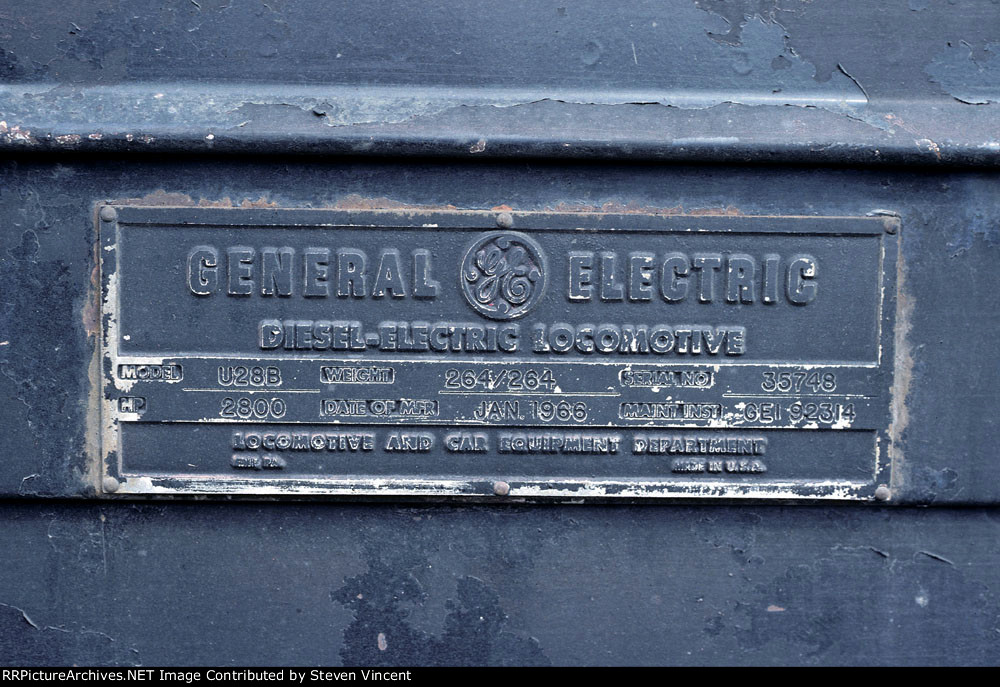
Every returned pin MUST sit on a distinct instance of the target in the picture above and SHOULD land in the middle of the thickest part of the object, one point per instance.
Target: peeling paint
(759, 44)
(968, 79)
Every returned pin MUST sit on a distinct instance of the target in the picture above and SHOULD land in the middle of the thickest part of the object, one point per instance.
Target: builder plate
(399, 353)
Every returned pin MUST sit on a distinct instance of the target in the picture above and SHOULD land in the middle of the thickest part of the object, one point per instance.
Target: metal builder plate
(567, 355)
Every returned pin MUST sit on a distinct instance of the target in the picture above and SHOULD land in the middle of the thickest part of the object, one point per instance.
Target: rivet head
(505, 220)
(501, 488)
(110, 484)
(108, 213)
(882, 493)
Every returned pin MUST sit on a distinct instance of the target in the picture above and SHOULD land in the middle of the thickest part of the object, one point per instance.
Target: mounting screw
(882, 493)
(505, 220)
(108, 213)
(110, 484)
(891, 225)
(501, 488)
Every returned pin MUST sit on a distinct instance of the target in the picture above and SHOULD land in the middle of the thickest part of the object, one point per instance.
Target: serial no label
(538, 355)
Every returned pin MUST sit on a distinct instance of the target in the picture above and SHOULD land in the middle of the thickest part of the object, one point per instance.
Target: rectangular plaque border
(115, 483)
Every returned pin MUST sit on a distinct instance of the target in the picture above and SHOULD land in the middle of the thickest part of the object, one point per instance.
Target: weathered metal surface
(899, 81)
(497, 87)
(406, 353)
(351, 584)
(942, 425)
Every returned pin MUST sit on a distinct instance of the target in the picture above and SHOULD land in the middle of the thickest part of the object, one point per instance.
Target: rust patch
(162, 198)
(926, 145)
(930, 146)
(158, 198)
(728, 211)
(355, 201)
(246, 203)
(261, 202)
(615, 208)
(15, 134)
(633, 208)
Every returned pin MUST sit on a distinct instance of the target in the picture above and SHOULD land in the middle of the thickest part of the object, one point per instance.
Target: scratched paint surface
(906, 82)
(196, 584)
(778, 79)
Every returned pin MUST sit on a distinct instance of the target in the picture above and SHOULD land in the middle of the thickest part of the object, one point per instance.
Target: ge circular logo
(503, 274)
